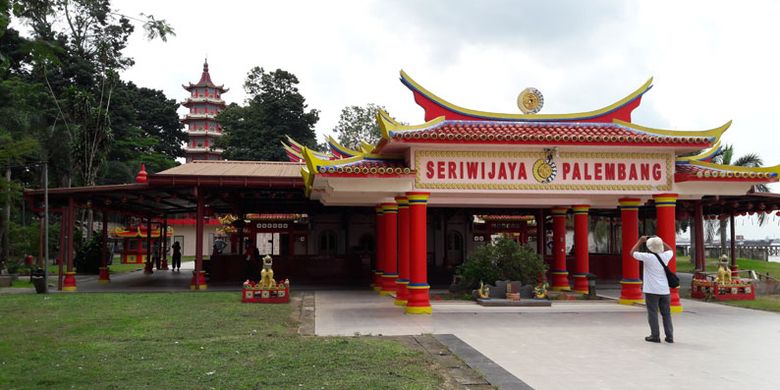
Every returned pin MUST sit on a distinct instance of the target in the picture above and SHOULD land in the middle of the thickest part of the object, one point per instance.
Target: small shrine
(134, 242)
(266, 290)
(723, 285)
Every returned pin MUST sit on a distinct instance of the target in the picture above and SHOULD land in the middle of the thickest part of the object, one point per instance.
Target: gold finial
(530, 101)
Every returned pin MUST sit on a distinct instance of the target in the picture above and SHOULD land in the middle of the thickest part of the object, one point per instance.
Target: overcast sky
(712, 61)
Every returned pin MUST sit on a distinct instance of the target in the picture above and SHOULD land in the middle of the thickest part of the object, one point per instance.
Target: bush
(87, 259)
(503, 260)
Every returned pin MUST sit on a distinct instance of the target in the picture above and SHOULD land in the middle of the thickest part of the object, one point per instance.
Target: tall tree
(274, 108)
(357, 124)
(726, 157)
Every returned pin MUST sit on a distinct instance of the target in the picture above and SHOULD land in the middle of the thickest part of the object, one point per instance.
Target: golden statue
(724, 273)
(267, 274)
(484, 291)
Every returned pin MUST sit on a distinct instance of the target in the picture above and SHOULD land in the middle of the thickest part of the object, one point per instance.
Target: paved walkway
(583, 345)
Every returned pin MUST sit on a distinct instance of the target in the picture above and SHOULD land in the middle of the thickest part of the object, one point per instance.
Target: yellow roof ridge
(601, 111)
(715, 133)
(341, 147)
(388, 124)
(707, 153)
(772, 169)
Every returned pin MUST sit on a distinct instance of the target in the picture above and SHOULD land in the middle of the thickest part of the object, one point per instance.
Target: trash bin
(591, 285)
(37, 277)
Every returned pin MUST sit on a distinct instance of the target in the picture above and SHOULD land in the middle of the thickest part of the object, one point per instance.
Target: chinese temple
(134, 242)
(402, 213)
(204, 103)
(548, 164)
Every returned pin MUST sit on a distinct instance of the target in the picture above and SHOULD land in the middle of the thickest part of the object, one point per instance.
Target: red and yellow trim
(69, 282)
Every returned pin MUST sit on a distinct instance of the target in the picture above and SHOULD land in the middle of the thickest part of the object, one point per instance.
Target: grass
(766, 302)
(187, 341)
(760, 266)
(116, 268)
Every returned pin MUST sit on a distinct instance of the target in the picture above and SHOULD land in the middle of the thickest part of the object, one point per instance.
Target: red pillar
(560, 277)
(199, 276)
(581, 259)
(379, 243)
(418, 288)
(402, 294)
(164, 238)
(390, 270)
(667, 231)
(631, 284)
(103, 277)
(69, 284)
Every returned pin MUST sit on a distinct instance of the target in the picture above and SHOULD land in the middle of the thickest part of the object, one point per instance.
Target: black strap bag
(671, 277)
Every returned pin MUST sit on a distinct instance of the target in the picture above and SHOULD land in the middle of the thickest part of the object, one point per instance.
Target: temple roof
(435, 107)
(205, 81)
(546, 133)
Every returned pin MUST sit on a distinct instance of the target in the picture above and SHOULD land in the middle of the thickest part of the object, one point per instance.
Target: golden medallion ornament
(545, 170)
(530, 101)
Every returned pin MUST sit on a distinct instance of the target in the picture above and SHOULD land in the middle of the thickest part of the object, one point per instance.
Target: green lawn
(116, 268)
(766, 302)
(187, 341)
(760, 266)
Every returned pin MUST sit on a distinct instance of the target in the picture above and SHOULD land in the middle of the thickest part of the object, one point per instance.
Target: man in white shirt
(655, 286)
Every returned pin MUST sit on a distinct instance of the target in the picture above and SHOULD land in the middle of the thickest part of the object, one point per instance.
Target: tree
(725, 157)
(274, 108)
(358, 124)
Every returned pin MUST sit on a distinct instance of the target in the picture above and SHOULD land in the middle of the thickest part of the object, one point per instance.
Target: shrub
(503, 260)
(87, 259)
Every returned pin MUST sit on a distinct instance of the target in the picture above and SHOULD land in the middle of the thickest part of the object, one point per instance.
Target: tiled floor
(583, 345)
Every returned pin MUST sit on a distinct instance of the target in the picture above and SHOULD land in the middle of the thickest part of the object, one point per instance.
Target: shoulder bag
(671, 277)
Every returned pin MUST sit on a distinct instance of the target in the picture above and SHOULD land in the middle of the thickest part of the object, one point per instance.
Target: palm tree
(724, 157)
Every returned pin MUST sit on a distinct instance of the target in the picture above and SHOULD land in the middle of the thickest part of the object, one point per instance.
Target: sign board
(544, 171)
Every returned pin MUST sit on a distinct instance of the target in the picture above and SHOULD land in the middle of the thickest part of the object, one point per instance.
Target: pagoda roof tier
(205, 149)
(137, 232)
(705, 171)
(205, 81)
(435, 107)
(204, 133)
(198, 117)
(199, 100)
(442, 131)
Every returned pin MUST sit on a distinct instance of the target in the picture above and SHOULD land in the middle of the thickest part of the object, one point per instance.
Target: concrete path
(583, 345)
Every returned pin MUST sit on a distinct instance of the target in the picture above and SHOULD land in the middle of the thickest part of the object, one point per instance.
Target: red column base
(581, 284)
(388, 284)
(69, 283)
(401, 292)
(377, 284)
(164, 264)
(103, 278)
(418, 299)
(675, 306)
(631, 292)
(560, 281)
(148, 268)
(201, 280)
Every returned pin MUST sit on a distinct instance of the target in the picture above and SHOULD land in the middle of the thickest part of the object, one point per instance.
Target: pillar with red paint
(198, 281)
(402, 294)
(581, 258)
(103, 277)
(665, 208)
(390, 271)
(418, 288)
(380, 249)
(560, 276)
(630, 284)
(69, 283)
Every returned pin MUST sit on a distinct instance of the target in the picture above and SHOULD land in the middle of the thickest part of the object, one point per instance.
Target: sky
(712, 61)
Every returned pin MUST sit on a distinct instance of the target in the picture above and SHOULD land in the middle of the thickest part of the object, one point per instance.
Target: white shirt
(655, 277)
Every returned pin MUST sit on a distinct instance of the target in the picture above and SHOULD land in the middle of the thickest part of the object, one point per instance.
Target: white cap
(655, 244)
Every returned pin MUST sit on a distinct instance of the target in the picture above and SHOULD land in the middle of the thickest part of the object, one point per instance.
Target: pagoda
(205, 102)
